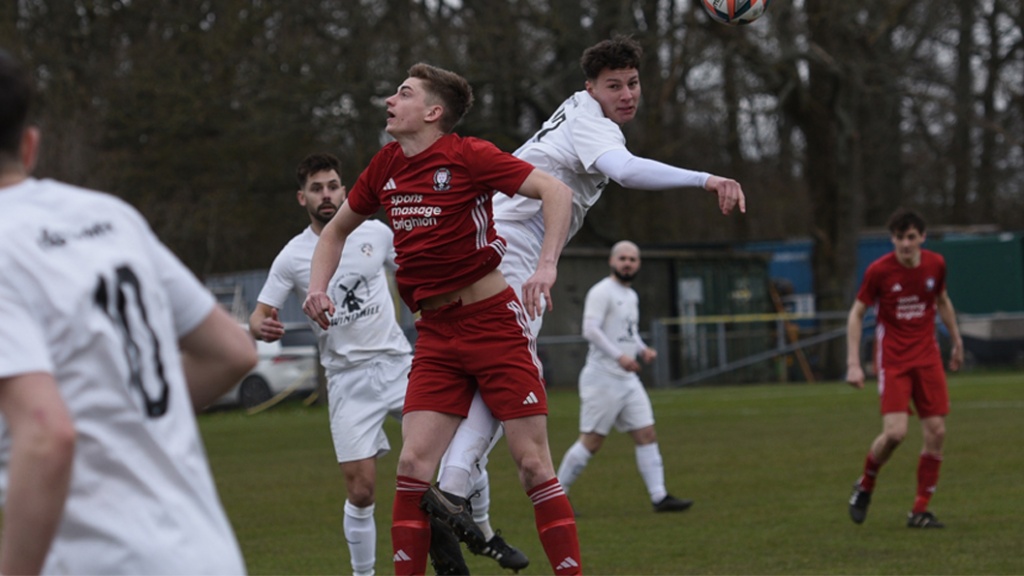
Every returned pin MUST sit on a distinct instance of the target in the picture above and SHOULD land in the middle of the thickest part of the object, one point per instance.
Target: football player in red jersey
(436, 188)
(908, 286)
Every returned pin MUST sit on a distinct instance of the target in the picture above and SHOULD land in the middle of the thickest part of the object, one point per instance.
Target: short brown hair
(904, 219)
(618, 53)
(316, 163)
(453, 91)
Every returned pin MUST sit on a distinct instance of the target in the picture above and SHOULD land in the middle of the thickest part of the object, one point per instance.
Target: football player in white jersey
(611, 393)
(102, 469)
(365, 354)
(581, 144)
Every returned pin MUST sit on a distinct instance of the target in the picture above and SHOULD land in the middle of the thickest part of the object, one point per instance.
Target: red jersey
(439, 206)
(905, 333)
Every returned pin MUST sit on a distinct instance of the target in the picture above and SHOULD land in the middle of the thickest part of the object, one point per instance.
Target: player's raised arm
(556, 203)
(326, 258)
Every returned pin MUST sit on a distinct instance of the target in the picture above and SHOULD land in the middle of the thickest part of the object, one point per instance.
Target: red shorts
(486, 345)
(925, 385)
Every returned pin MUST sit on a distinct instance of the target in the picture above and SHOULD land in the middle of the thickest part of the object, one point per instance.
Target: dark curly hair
(615, 54)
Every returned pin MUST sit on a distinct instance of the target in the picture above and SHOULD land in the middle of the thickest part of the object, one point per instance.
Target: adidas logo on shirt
(897, 287)
(401, 556)
(567, 564)
(390, 185)
(531, 398)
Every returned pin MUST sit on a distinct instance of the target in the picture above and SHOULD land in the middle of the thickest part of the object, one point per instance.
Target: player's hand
(855, 376)
(730, 193)
(648, 355)
(537, 291)
(629, 364)
(319, 308)
(956, 356)
(271, 329)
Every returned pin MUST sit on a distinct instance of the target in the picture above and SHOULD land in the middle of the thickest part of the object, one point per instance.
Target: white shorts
(610, 399)
(359, 399)
(520, 259)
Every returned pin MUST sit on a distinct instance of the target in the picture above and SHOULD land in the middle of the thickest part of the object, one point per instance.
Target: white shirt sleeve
(645, 174)
(593, 333)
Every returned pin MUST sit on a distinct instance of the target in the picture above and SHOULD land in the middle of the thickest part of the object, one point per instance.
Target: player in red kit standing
(909, 287)
(473, 333)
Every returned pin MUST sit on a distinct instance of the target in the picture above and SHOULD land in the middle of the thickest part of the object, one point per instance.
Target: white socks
(361, 535)
(648, 462)
(573, 463)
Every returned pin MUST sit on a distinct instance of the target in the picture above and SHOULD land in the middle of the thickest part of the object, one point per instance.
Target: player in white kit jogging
(611, 393)
(583, 145)
(102, 470)
(364, 352)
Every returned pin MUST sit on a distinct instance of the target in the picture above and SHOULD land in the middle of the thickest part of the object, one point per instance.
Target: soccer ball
(735, 12)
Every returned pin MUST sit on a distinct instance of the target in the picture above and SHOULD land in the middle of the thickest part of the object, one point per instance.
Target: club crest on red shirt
(442, 179)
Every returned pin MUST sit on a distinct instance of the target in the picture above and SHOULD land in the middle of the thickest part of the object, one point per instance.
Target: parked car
(288, 365)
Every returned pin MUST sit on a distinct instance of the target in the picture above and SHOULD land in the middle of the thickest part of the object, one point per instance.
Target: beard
(624, 277)
(324, 218)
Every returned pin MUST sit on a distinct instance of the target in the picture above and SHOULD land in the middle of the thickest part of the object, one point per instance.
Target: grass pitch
(770, 468)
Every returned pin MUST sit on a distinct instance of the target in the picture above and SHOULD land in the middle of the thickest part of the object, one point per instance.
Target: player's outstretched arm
(854, 326)
(646, 174)
(215, 356)
(326, 258)
(39, 470)
(556, 206)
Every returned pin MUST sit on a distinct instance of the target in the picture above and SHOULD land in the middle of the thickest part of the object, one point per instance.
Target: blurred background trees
(830, 113)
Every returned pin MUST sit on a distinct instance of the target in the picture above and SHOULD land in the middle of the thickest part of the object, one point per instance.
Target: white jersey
(363, 325)
(89, 295)
(617, 309)
(566, 146)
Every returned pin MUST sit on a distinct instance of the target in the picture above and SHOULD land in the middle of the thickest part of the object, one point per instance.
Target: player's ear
(300, 197)
(29, 150)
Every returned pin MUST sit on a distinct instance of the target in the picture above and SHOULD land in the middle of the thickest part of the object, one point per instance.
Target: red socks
(927, 478)
(410, 528)
(867, 480)
(556, 526)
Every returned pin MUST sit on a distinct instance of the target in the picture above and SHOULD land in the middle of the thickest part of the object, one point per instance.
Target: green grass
(770, 468)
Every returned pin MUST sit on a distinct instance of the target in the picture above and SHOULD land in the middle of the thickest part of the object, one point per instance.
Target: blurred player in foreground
(103, 469)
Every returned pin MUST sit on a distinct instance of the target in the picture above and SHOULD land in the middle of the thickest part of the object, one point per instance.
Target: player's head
(904, 219)
(320, 189)
(907, 229)
(612, 70)
(618, 53)
(445, 89)
(624, 261)
(17, 140)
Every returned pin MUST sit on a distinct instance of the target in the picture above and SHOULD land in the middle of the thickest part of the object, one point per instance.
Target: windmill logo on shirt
(349, 293)
(366, 249)
(442, 179)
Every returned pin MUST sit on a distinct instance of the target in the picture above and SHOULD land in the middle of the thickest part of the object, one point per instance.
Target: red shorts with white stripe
(486, 345)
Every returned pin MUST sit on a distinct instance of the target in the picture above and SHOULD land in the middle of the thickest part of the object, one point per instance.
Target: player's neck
(912, 261)
(414, 143)
(11, 178)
